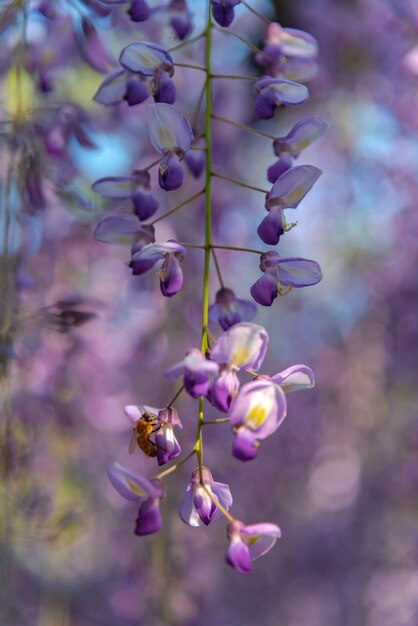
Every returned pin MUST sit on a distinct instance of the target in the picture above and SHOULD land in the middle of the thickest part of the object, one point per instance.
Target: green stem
(174, 398)
(179, 206)
(218, 269)
(238, 249)
(186, 43)
(221, 420)
(190, 66)
(256, 13)
(239, 183)
(175, 467)
(249, 129)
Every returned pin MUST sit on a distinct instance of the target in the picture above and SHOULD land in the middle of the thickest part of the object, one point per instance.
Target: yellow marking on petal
(252, 540)
(240, 356)
(256, 416)
(135, 489)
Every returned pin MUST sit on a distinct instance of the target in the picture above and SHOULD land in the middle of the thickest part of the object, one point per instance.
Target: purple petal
(195, 162)
(164, 89)
(260, 406)
(299, 69)
(168, 128)
(196, 383)
(113, 89)
(298, 43)
(271, 228)
(223, 12)
(229, 310)
(295, 378)
(292, 186)
(170, 173)
(264, 290)
(115, 187)
(136, 92)
(182, 25)
(205, 508)
(171, 276)
(245, 445)
(144, 205)
(283, 91)
(139, 11)
(223, 494)
(118, 230)
(298, 272)
(238, 556)
(187, 510)
(262, 538)
(167, 445)
(132, 486)
(301, 136)
(243, 346)
(223, 390)
(145, 58)
(149, 517)
(279, 167)
(133, 413)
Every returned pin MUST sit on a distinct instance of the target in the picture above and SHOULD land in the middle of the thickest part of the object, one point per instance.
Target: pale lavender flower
(171, 275)
(134, 188)
(197, 507)
(300, 137)
(167, 445)
(288, 50)
(276, 92)
(134, 487)
(248, 543)
(121, 230)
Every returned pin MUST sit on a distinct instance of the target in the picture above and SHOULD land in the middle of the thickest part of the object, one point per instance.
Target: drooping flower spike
(290, 272)
(134, 487)
(229, 310)
(197, 507)
(248, 543)
(171, 135)
(196, 370)
(276, 92)
(171, 275)
(287, 193)
(134, 188)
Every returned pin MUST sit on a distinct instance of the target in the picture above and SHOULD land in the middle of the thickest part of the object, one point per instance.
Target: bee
(143, 428)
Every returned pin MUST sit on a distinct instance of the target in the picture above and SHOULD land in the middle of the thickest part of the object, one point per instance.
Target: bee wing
(132, 444)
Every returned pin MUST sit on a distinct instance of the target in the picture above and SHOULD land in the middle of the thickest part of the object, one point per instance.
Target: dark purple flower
(229, 310)
(196, 371)
(134, 487)
(290, 272)
(248, 543)
(195, 161)
(146, 58)
(223, 11)
(181, 18)
(167, 445)
(120, 86)
(279, 167)
(197, 507)
(170, 173)
(171, 253)
(275, 92)
(134, 187)
(223, 389)
(139, 11)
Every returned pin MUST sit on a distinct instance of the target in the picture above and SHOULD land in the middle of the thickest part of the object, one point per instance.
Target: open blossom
(122, 229)
(134, 487)
(196, 370)
(287, 193)
(288, 52)
(279, 272)
(276, 92)
(171, 275)
(247, 543)
(229, 310)
(171, 135)
(197, 506)
(134, 188)
(260, 408)
(167, 445)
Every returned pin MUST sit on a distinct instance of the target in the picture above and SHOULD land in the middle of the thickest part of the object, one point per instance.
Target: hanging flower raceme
(288, 52)
(196, 370)
(281, 274)
(248, 543)
(243, 346)
(289, 147)
(229, 310)
(171, 253)
(197, 506)
(134, 188)
(171, 135)
(287, 193)
(276, 92)
(223, 11)
(260, 408)
(148, 68)
(134, 487)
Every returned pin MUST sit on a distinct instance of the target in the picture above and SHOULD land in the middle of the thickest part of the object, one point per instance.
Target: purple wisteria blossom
(180, 18)
(276, 92)
(279, 272)
(287, 192)
(171, 135)
(248, 543)
(196, 370)
(243, 346)
(171, 275)
(122, 229)
(197, 506)
(223, 11)
(260, 407)
(228, 310)
(134, 188)
(167, 445)
(134, 487)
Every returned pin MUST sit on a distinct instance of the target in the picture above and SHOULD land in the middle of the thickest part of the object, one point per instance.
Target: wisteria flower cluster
(212, 371)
